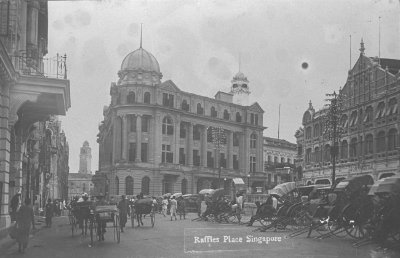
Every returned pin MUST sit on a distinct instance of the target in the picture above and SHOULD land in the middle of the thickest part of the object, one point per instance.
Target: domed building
(156, 138)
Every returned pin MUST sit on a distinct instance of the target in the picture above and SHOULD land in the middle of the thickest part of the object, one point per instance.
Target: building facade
(369, 122)
(81, 182)
(279, 161)
(156, 138)
(29, 93)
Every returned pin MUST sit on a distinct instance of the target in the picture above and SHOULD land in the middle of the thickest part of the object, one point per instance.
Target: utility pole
(333, 128)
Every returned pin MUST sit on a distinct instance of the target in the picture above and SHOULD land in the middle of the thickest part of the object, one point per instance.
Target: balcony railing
(49, 67)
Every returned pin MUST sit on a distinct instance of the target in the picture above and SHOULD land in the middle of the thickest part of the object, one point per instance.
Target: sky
(198, 44)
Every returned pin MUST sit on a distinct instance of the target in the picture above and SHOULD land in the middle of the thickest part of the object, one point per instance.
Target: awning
(238, 181)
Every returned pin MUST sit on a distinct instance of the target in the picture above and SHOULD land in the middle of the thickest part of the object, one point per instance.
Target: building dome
(140, 59)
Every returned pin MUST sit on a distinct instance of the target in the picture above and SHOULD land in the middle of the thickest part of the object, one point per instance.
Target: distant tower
(85, 159)
(240, 89)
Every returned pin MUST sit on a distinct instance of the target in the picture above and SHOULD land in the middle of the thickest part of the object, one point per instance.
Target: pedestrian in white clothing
(174, 205)
(164, 205)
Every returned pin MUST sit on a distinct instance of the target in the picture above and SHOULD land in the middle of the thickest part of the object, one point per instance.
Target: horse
(82, 213)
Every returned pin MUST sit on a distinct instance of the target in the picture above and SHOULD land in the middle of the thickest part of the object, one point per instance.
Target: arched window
(308, 155)
(146, 98)
(167, 127)
(316, 130)
(353, 118)
(146, 185)
(253, 141)
(185, 105)
(131, 98)
(226, 114)
(344, 121)
(392, 139)
(380, 110)
(380, 142)
(317, 154)
(238, 117)
(184, 186)
(199, 109)
(128, 185)
(353, 147)
(344, 150)
(369, 141)
(368, 117)
(213, 112)
(392, 107)
(116, 185)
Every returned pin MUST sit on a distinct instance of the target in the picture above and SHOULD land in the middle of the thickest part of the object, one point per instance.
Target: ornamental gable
(256, 108)
(169, 86)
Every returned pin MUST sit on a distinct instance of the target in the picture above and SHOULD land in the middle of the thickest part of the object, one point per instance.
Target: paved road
(187, 238)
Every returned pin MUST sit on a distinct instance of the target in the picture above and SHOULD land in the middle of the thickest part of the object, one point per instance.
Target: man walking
(49, 213)
(25, 218)
(174, 205)
(123, 212)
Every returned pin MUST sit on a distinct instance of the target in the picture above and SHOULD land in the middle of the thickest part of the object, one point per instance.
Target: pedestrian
(239, 202)
(123, 212)
(154, 204)
(101, 225)
(174, 205)
(14, 205)
(181, 208)
(25, 218)
(164, 204)
(49, 213)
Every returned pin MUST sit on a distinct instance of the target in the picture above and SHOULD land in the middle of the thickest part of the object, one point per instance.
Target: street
(187, 238)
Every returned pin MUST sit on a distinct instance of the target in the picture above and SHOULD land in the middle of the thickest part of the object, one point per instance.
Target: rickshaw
(100, 217)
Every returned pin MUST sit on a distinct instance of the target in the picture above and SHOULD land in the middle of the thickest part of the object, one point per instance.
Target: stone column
(177, 137)
(190, 145)
(230, 150)
(151, 139)
(138, 138)
(157, 136)
(124, 137)
(204, 147)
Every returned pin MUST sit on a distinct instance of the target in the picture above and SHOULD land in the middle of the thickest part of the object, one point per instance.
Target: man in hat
(123, 212)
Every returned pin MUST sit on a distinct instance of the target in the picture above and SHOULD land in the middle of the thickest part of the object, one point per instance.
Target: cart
(101, 217)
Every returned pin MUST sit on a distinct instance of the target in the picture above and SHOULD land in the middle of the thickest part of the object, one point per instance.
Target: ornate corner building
(156, 138)
(32, 88)
(369, 121)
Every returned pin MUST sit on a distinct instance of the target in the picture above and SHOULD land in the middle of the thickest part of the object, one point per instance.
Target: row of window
(357, 117)
(167, 156)
(145, 189)
(275, 160)
(356, 147)
(168, 101)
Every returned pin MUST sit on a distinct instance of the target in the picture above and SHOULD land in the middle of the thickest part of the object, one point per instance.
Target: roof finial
(141, 35)
(310, 105)
(362, 48)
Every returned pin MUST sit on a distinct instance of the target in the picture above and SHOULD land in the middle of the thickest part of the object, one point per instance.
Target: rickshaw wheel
(92, 227)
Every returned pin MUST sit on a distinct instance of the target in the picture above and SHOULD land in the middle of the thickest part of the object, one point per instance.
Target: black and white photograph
(199, 128)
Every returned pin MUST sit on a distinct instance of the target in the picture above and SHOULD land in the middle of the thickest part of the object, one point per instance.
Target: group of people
(174, 206)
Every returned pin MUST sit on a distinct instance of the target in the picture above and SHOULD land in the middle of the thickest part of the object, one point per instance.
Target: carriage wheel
(354, 221)
(153, 218)
(72, 222)
(336, 228)
(117, 228)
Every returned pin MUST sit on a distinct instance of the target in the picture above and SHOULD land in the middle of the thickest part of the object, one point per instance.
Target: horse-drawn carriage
(100, 217)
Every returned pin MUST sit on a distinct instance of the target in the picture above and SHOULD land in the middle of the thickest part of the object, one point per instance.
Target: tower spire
(362, 48)
(141, 35)
(240, 61)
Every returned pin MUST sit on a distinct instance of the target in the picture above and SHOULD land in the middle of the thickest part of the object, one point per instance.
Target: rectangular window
(196, 158)
(132, 123)
(210, 159)
(144, 151)
(251, 118)
(196, 133)
(145, 124)
(182, 131)
(4, 17)
(165, 100)
(132, 151)
(235, 139)
(235, 162)
(182, 156)
(167, 155)
(256, 119)
(252, 164)
(168, 100)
